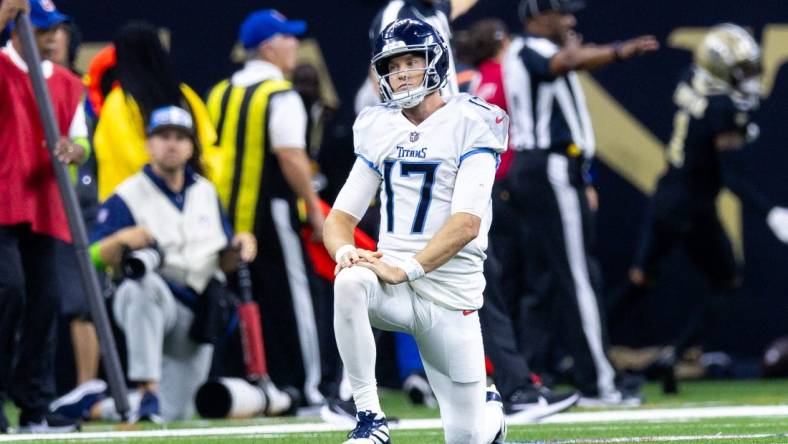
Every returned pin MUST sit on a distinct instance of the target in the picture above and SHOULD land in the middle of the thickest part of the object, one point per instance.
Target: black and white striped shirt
(436, 14)
(546, 112)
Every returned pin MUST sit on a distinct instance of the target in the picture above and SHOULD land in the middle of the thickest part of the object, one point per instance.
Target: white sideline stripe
(667, 414)
(655, 439)
(417, 424)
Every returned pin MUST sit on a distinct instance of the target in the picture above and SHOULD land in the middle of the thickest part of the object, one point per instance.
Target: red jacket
(490, 88)
(28, 187)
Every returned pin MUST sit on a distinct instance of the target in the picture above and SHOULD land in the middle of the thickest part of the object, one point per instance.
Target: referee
(260, 171)
(553, 200)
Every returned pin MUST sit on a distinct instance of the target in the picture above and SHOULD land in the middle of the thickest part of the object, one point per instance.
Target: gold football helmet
(730, 54)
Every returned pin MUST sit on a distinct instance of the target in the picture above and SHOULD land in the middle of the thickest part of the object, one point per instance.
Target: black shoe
(339, 412)
(666, 369)
(47, 423)
(419, 390)
(536, 403)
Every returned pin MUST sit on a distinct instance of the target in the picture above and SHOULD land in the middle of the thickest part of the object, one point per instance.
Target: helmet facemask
(431, 81)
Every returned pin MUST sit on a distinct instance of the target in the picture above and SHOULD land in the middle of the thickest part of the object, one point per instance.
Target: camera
(136, 263)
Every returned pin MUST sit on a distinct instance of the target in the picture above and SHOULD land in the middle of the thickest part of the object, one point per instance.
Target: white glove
(777, 219)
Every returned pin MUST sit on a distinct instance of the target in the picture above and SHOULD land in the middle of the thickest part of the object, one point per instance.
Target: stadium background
(634, 99)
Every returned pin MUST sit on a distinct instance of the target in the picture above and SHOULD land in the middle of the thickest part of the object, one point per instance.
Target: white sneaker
(613, 399)
(534, 404)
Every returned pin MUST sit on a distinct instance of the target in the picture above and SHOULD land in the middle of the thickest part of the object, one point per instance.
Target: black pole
(88, 275)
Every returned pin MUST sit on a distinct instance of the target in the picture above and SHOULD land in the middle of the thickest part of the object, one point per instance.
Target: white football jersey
(418, 165)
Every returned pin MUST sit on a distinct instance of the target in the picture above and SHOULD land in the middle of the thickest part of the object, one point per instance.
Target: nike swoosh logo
(499, 119)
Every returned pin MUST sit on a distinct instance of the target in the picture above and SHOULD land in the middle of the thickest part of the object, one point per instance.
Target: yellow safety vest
(240, 117)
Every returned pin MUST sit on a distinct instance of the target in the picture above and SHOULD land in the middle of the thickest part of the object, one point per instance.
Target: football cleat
(494, 400)
(537, 403)
(371, 428)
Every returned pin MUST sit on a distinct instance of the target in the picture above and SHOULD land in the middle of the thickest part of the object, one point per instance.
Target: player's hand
(356, 256)
(637, 46)
(777, 219)
(316, 220)
(246, 244)
(10, 9)
(386, 273)
(573, 40)
(136, 237)
(592, 197)
(69, 152)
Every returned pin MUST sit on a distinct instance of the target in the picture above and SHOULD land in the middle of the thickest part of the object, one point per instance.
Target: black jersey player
(711, 126)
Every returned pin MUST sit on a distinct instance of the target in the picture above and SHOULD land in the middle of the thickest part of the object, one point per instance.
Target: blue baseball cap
(261, 25)
(43, 15)
(170, 117)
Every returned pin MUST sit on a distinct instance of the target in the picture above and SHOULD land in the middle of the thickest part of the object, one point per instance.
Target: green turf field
(703, 395)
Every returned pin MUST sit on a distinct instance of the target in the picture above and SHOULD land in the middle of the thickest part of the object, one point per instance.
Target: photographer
(165, 229)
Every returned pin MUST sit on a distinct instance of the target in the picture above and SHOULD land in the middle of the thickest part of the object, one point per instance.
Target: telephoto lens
(136, 263)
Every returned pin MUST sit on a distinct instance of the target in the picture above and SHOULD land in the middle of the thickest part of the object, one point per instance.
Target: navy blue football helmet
(407, 36)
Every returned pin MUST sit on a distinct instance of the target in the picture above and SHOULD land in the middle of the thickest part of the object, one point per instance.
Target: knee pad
(352, 288)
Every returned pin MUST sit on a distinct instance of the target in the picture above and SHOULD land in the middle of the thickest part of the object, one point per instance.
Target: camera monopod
(87, 272)
(252, 340)
(256, 394)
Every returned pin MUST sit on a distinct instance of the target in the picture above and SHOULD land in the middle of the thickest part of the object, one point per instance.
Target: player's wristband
(343, 250)
(413, 269)
(95, 256)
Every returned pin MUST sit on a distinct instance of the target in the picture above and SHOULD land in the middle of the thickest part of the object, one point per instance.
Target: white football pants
(450, 345)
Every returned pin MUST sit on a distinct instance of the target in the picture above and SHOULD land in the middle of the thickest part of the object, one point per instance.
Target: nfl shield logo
(414, 136)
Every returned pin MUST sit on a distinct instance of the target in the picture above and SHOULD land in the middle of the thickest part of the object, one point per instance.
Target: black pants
(702, 236)
(555, 273)
(28, 314)
(510, 369)
(708, 247)
(283, 288)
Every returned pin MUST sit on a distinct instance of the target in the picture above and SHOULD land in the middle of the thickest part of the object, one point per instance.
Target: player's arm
(115, 231)
(350, 205)
(460, 7)
(575, 55)
(453, 236)
(109, 250)
(287, 127)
